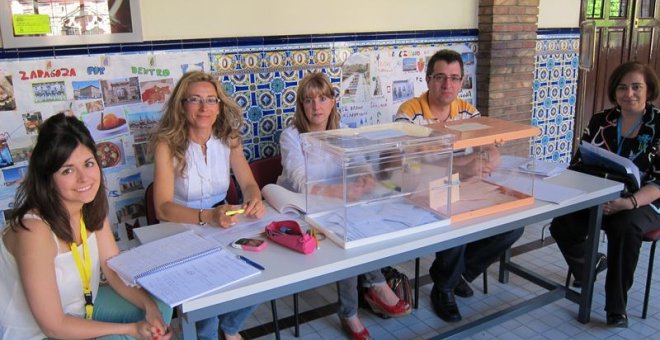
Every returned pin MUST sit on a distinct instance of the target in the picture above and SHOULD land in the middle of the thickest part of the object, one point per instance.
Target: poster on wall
(119, 98)
(69, 22)
(375, 83)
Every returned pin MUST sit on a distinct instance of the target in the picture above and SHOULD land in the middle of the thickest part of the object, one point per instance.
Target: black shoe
(601, 264)
(444, 305)
(463, 289)
(617, 320)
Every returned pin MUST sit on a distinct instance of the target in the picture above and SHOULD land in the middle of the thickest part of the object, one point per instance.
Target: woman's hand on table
(221, 218)
(254, 208)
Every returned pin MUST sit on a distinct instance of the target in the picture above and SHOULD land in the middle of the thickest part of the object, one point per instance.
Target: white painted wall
(559, 13)
(198, 19)
(176, 19)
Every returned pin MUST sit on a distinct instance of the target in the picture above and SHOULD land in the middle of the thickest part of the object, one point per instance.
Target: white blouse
(205, 182)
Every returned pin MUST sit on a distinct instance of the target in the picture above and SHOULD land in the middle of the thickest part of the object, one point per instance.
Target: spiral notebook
(180, 267)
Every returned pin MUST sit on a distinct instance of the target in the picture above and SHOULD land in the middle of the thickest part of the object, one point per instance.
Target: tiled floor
(554, 321)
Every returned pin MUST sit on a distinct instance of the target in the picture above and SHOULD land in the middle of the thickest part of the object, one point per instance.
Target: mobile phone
(251, 244)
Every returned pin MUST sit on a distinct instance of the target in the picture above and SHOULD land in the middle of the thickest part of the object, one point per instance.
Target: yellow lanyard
(85, 269)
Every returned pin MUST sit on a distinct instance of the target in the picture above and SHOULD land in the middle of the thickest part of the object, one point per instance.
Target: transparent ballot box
(486, 183)
(377, 182)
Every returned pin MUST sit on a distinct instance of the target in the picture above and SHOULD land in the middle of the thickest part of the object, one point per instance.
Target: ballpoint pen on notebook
(250, 262)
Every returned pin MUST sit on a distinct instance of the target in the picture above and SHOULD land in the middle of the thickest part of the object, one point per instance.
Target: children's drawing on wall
(141, 121)
(356, 79)
(88, 89)
(48, 91)
(14, 175)
(130, 183)
(5, 154)
(156, 91)
(119, 97)
(21, 148)
(120, 91)
(7, 197)
(130, 208)
(94, 106)
(142, 154)
(468, 58)
(3, 220)
(409, 65)
(7, 100)
(111, 153)
(106, 124)
(71, 108)
(402, 90)
(32, 121)
(395, 76)
(377, 86)
(467, 82)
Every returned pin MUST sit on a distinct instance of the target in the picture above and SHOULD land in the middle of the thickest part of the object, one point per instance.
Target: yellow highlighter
(318, 245)
(234, 212)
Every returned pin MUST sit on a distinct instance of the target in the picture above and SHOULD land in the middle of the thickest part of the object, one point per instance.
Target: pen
(234, 212)
(252, 263)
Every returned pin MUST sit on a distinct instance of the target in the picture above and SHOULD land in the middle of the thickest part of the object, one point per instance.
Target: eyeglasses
(441, 77)
(197, 100)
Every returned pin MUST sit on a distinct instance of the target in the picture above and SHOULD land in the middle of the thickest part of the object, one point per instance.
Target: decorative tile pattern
(554, 101)
(263, 80)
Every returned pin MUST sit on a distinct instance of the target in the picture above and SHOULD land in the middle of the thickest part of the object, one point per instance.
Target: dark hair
(58, 137)
(314, 84)
(446, 55)
(650, 78)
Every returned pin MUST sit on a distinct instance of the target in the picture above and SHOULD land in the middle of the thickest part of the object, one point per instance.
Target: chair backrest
(651, 235)
(151, 207)
(232, 192)
(266, 170)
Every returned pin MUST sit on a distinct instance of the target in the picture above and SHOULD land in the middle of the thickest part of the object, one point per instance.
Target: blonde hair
(314, 84)
(173, 126)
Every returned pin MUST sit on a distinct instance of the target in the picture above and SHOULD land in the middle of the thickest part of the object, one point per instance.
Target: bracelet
(633, 200)
(199, 217)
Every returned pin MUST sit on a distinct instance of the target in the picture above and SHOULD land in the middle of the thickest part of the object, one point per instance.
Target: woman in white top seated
(316, 111)
(57, 244)
(195, 145)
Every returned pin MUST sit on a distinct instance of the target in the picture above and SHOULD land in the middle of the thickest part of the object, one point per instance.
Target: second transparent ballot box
(491, 177)
(377, 182)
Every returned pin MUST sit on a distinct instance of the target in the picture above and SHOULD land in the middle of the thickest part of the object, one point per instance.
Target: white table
(288, 272)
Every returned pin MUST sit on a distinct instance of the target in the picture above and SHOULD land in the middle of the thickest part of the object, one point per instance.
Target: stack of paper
(593, 155)
(180, 267)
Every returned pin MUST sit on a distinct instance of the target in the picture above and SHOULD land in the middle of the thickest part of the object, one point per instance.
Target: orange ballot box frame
(482, 194)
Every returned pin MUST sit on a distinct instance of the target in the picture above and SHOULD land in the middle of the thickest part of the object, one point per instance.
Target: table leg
(504, 272)
(589, 275)
(189, 331)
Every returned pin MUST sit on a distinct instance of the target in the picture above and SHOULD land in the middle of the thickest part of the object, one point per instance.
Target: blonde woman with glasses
(195, 145)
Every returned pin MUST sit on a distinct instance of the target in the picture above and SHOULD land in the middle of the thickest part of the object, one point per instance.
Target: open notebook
(180, 267)
(283, 200)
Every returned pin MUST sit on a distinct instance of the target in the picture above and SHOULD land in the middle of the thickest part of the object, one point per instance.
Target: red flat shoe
(378, 306)
(361, 335)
